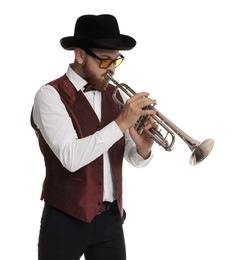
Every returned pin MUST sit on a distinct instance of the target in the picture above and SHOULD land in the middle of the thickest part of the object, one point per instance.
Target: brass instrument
(200, 150)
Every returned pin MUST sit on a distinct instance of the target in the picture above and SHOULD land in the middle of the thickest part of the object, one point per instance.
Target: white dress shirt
(54, 123)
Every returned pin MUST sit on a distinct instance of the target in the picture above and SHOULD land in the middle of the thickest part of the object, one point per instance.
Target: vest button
(100, 182)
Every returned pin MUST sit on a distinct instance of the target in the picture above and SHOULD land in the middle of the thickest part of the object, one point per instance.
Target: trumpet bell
(201, 151)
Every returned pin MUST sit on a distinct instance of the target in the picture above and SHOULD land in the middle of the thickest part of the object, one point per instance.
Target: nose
(111, 68)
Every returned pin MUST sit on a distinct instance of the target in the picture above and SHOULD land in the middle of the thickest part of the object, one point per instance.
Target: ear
(79, 55)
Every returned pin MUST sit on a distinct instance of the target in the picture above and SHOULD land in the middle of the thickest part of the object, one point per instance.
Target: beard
(94, 81)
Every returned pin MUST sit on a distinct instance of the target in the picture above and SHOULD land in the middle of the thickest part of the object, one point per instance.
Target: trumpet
(165, 134)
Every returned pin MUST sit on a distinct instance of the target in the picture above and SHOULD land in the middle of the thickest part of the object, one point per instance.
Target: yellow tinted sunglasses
(105, 63)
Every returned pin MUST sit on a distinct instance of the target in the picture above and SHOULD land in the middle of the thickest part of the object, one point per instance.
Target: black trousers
(63, 237)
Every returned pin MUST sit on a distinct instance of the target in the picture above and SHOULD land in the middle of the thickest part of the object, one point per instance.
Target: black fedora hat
(98, 31)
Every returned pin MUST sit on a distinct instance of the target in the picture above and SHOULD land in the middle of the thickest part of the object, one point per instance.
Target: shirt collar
(75, 79)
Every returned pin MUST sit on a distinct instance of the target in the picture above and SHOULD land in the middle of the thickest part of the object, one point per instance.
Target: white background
(186, 59)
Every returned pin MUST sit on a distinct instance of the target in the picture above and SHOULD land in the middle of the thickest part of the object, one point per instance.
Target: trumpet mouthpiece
(108, 76)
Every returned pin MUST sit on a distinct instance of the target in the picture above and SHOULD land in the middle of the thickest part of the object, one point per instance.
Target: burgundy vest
(80, 193)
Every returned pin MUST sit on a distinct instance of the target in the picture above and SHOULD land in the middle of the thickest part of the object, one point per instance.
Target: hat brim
(125, 42)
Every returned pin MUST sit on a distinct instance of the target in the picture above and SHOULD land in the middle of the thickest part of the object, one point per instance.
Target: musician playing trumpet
(84, 137)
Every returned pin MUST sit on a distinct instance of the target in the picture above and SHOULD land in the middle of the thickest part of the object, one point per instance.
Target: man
(84, 136)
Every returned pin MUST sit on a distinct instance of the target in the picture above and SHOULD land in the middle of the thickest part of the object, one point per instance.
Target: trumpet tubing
(165, 134)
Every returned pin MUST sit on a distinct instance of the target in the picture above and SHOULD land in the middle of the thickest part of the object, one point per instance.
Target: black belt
(106, 206)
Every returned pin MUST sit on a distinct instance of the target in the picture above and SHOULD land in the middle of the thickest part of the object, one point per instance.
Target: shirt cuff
(138, 160)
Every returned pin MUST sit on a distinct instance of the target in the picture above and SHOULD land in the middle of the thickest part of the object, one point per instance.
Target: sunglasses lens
(105, 63)
(118, 61)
